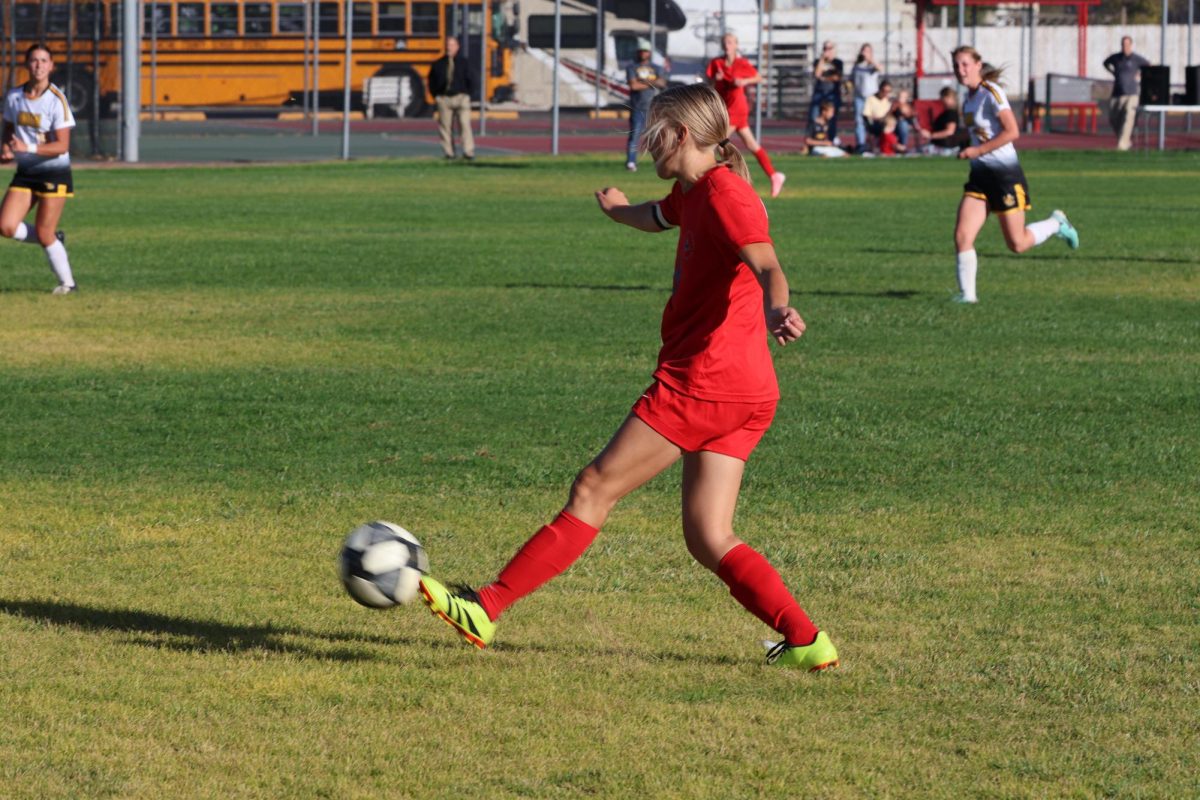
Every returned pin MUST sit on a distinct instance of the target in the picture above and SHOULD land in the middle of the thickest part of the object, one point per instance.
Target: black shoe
(62, 237)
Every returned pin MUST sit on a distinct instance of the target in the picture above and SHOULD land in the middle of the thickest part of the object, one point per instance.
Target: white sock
(56, 254)
(1042, 230)
(25, 234)
(967, 265)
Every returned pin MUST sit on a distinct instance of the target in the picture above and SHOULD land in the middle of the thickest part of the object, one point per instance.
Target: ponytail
(731, 156)
(990, 74)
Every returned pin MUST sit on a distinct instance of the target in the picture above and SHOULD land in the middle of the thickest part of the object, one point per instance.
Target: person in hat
(645, 80)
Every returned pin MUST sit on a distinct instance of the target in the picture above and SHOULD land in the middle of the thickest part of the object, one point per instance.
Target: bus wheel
(77, 85)
(412, 87)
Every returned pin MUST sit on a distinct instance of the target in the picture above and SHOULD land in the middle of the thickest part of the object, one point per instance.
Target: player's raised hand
(785, 324)
(611, 198)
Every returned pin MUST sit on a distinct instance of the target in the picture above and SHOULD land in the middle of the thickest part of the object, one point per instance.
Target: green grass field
(992, 509)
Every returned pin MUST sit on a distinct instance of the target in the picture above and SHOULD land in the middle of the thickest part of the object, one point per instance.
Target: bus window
(85, 19)
(362, 19)
(25, 21)
(474, 19)
(224, 19)
(426, 19)
(391, 18)
(191, 19)
(578, 32)
(58, 20)
(258, 18)
(291, 18)
(156, 19)
(329, 19)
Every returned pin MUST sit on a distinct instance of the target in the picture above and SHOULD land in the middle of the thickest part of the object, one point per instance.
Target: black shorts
(1004, 189)
(56, 183)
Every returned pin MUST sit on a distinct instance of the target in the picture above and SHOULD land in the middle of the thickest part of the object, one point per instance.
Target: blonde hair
(701, 110)
(987, 72)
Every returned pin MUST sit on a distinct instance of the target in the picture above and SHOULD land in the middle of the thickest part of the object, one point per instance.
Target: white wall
(1057, 51)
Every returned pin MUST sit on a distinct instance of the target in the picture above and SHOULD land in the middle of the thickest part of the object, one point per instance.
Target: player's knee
(707, 546)
(590, 492)
(46, 238)
(1016, 245)
(8, 229)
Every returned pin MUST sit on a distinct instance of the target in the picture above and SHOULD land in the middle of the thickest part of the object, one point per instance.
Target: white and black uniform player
(996, 184)
(996, 176)
(37, 135)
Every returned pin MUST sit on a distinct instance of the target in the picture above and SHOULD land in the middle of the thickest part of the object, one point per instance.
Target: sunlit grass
(992, 509)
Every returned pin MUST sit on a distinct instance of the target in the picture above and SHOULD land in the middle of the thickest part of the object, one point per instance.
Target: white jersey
(981, 113)
(34, 122)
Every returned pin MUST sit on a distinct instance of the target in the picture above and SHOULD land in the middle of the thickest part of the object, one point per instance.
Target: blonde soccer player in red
(996, 183)
(730, 74)
(37, 136)
(714, 392)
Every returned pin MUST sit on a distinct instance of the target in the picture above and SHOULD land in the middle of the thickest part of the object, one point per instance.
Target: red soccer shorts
(732, 429)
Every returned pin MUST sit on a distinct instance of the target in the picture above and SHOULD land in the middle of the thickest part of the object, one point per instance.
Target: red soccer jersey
(723, 74)
(713, 330)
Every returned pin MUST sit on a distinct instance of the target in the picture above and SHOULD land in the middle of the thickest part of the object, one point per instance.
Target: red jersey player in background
(714, 390)
(730, 74)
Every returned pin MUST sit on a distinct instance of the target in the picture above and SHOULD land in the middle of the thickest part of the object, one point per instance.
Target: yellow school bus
(236, 54)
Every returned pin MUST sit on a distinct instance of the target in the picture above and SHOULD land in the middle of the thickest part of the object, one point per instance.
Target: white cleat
(962, 299)
(62, 288)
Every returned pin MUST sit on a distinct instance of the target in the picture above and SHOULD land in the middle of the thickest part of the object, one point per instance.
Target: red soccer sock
(764, 161)
(547, 553)
(755, 584)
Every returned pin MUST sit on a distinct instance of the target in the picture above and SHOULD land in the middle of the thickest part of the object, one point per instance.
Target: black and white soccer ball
(381, 564)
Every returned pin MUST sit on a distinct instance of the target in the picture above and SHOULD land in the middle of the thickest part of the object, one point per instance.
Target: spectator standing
(865, 77)
(1125, 67)
(828, 72)
(645, 80)
(450, 83)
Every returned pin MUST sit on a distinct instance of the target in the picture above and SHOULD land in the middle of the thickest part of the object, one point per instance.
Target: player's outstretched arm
(783, 321)
(615, 204)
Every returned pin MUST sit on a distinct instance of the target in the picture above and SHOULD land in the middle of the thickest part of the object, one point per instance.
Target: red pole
(921, 38)
(1082, 16)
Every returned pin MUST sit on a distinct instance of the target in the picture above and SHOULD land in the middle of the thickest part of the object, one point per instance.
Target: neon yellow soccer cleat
(460, 609)
(819, 655)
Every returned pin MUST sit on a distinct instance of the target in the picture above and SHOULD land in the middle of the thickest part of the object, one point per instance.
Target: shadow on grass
(587, 286)
(1041, 256)
(886, 294)
(196, 635)
(496, 165)
(187, 635)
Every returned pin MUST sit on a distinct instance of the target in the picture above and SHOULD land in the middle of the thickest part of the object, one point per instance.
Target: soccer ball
(381, 564)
